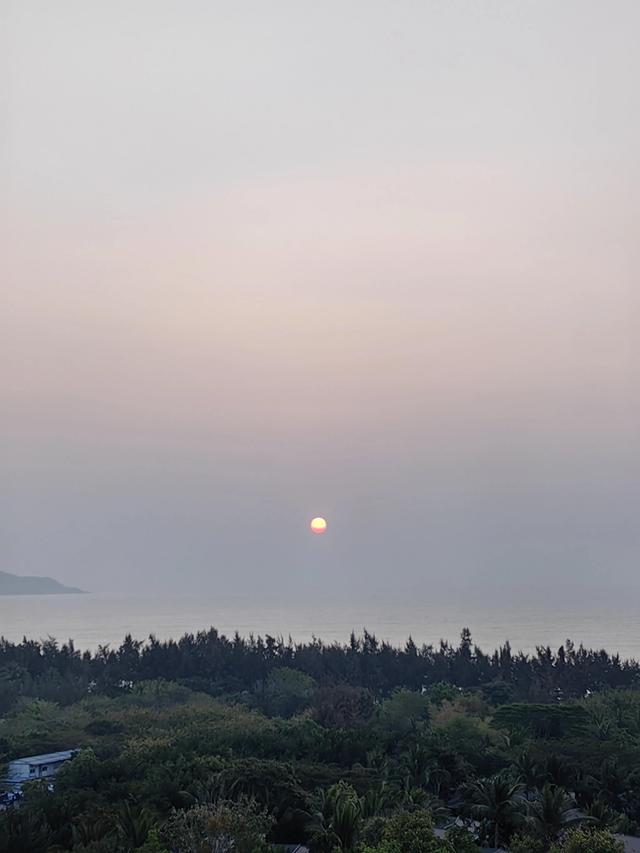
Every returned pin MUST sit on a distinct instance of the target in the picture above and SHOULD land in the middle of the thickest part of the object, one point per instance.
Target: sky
(376, 261)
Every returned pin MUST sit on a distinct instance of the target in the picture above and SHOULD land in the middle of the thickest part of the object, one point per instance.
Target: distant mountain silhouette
(26, 585)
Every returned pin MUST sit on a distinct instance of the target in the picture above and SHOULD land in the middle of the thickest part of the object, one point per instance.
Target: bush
(583, 840)
(404, 712)
(443, 691)
(409, 832)
(103, 727)
(228, 826)
(153, 844)
(287, 692)
(461, 840)
(526, 844)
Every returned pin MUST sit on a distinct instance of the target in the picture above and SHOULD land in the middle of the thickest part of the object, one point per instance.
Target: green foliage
(461, 840)
(12, 683)
(404, 712)
(548, 721)
(132, 825)
(614, 713)
(371, 831)
(101, 727)
(287, 692)
(498, 803)
(267, 782)
(498, 692)
(527, 844)
(153, 844)
(441, 692)
(82, 772)
(583, 840)
(239, 826)
(331, 746)
(468, 736)
(335, 819)
(23, 831)
(342, 706)
(409, 832)
(601, 816)
(158, 693)
(551, 812)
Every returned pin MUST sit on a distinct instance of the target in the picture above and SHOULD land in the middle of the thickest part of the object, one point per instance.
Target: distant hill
(26, 585)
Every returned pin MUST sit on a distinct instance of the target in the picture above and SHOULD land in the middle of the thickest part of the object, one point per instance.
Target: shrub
(583, 840)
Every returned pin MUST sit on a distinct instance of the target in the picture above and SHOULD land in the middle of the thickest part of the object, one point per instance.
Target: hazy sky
(371, 260)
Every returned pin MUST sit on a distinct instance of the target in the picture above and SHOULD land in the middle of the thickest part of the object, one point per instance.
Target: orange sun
(318, 525)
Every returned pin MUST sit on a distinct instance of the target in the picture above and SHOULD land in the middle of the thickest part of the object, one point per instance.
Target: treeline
(235, 745)
(213, 663)
(164, 769)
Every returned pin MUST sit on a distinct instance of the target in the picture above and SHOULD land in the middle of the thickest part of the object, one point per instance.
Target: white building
(35, 767)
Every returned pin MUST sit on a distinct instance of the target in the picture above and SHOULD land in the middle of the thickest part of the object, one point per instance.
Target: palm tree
(133, 824)
(601, 815)
(528, 771)
(613, 781)
(346, 822)
(558, 771)
(602, 725)
(416, 761)
(24, 832)
(89, 828)
(498, 803)
(553, 811)
(208, 792)
(437, 778)
(375, 801)
(336, 820)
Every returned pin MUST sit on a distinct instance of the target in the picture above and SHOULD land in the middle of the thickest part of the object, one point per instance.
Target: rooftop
(45, 758)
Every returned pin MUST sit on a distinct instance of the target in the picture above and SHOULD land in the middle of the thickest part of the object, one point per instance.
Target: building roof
(45, 758)
(631, 843)
(291, 848)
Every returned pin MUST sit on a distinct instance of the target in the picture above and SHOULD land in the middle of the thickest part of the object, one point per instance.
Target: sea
(597, 621)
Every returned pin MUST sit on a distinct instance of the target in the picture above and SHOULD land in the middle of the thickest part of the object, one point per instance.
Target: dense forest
(222, 744)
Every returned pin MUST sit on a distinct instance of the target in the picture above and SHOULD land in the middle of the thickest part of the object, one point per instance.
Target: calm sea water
(94, 619)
